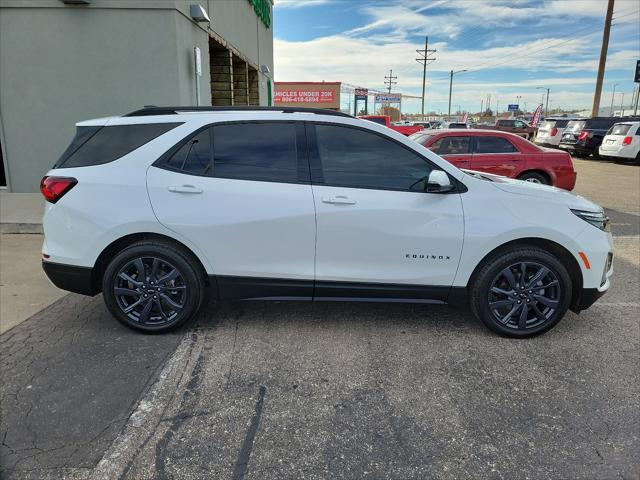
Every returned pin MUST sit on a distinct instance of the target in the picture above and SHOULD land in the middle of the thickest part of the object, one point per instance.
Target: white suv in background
(622, 142)
(550, 131)
(160, 207)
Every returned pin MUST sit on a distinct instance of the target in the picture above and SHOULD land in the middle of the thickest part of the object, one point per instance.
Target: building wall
(62, 64)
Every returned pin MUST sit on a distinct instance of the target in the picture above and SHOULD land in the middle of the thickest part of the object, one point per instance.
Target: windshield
(619, 129)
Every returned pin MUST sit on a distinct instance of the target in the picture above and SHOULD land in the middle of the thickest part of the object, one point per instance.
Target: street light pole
(451, 74)
(613, 96)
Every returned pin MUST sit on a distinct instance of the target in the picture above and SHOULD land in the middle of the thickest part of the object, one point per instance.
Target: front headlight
(597, 219)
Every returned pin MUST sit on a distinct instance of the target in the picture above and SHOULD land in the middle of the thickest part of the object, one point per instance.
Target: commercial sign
(637, 77)
(361, 93)
(308, 94)
(513, 107)
(263, 10)
(388, 97)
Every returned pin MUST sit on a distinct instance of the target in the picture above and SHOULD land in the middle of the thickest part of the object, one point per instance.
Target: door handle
(341, 199)
(185, 189)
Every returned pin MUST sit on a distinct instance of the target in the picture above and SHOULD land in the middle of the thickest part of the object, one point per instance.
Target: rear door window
(494, 145)
(457, 145)
(261, 151)
(194, 156)
(561, 123)
(99, 145)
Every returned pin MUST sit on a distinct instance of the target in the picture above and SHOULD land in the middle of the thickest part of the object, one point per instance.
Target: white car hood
(547, 192)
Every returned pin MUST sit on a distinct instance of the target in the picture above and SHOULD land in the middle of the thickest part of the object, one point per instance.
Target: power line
(390, 80)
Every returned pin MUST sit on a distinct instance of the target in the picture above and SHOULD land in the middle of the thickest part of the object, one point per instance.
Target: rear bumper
(71, 278)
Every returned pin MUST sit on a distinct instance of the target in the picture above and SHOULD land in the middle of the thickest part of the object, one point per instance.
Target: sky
(508, 47)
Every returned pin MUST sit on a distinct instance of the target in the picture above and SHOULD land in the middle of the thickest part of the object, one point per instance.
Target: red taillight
(53, 188)
(583, 136)
(553, 132)
(627, 140)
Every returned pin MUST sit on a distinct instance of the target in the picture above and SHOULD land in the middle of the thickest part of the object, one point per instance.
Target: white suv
(166, 204)
(622, 142)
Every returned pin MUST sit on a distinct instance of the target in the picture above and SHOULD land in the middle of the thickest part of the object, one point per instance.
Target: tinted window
(451, 146)
(561, 123)
(194, 156)
(600, 123)
(520, 124)
(256, 151)
(103, 145)
(619, 129)
(494, 145)
(506, 123)
(355, 158)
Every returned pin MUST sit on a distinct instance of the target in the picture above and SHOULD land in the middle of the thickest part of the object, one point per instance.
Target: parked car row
(612, 137)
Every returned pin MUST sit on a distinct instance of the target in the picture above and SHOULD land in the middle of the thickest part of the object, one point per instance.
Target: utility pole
(603, 60)
(546, 108)
(622, 105)
(635, 108)
(481, 105)
(389, 81)
(424, 60)
(451, 88)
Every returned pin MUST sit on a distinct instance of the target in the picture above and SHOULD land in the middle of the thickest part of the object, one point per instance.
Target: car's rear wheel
(534, 177)
(153, 286)
(521, 292)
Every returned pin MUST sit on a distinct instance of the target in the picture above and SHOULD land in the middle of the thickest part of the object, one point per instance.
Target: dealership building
(63, 61)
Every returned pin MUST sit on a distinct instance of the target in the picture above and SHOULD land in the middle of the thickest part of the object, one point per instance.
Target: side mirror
(438, 182)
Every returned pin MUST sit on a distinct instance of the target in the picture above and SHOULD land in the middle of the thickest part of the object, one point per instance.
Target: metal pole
(613, 96)
(424, 70)
(622, 105)
(635, 109)
(603, 60)
(450, 88)
(546, 108)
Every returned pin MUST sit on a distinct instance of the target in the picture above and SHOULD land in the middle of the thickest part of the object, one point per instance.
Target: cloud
(554, 44)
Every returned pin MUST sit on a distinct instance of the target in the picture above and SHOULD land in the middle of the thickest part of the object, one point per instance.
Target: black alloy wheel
(521, 292)
(153, 286)
(524, 295)
(150, 291)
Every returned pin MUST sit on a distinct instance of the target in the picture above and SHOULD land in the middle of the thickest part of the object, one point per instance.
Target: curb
(21, 228)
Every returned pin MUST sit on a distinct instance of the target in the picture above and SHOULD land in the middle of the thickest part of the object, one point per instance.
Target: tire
(581, 155)
(163, 301)
(501, 312)
(534, 177)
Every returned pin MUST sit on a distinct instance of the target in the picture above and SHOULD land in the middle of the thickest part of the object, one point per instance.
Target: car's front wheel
(521, 292)
(153, 286)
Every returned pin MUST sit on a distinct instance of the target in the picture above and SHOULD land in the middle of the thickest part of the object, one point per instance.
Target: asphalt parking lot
(263, 390)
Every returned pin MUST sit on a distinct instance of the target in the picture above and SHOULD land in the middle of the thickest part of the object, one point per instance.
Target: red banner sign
(311, 94)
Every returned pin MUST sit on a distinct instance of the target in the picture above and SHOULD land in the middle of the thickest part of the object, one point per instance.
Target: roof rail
(153, 110)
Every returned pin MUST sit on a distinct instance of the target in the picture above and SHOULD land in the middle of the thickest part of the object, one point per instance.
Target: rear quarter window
(100, 145)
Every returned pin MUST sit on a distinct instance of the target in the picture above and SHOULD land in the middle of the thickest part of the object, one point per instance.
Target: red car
(501, 153)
